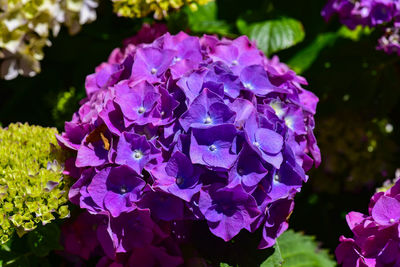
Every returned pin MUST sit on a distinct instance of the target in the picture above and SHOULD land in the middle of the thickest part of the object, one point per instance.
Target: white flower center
(277, 107)
(123, 189)
(208, 120)
(212, 148)
(153, 71)
(248, 86)
(289, 122)
(137, 154)
(177, 59)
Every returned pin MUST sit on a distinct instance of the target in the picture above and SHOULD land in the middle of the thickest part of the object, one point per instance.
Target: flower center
(179, 180)
(153, 71)
(212, 148)
(276, 177)
(137, 154)
(235, 62)
(248, 86)
(289, 122)
(177, 59)
(277, 107)
(208, 120)
(257, 144)
(123, 189)
(141, 110)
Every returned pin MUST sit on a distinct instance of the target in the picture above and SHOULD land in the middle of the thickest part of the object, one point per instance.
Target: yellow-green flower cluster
(25, 28)
(32, 188)
(160, 8)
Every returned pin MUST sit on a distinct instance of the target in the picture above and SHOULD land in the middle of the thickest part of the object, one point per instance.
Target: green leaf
(205, 20)
(306, 57)
(275, 259)
(295, 250)
(274, 35)
(355, 34)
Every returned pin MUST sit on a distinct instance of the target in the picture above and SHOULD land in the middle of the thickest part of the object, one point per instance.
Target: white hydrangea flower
(25, 28)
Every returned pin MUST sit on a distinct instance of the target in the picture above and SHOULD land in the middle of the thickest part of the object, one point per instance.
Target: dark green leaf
(306, 57)
(274, 35)
(295, 250)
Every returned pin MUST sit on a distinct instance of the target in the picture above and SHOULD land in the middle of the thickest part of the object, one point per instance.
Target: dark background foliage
(358, 87)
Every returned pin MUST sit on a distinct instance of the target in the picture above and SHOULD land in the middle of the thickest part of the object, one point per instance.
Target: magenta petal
(227, 229)
(115, 203)
(386, 210)
(270, 142)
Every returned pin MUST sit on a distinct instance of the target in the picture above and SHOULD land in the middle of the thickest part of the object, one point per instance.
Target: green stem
(15, 259)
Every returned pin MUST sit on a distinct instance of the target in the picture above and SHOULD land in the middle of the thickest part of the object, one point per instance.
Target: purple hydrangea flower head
(376, 240)
(369, 13)
(186, 129)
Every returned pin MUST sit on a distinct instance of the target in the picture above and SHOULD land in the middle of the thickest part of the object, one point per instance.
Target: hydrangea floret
(376, 240)
(370, 13)
(26, 26)
(32, 188)
(159, 8)
(187, 129)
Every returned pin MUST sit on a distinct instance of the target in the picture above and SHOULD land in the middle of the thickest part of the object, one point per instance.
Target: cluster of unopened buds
(371, 13)
(187, 129)
(33, 190)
